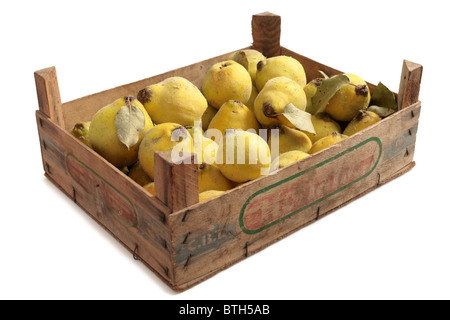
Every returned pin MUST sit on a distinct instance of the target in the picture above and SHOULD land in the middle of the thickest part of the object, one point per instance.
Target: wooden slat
(266, 33)
(49, 98)
(176, 185)
(119, 204)
(211, 236)
(409, 89)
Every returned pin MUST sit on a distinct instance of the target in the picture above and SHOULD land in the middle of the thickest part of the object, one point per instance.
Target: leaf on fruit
(326, 91)
(129, 122)
(242, 59)
(383, 112)
(383, 97)
(299, 118)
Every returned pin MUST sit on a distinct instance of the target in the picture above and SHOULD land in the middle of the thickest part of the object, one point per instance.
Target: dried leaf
(383, 112)
(299, 118)
(383, 97)
(326, 91)
(130, 122)
(242, 59)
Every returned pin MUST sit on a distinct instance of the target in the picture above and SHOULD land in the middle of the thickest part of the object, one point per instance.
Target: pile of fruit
(251, 116)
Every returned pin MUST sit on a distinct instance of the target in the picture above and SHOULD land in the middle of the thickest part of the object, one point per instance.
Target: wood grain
(49, 98)
(266, 33)
(119, 204)
(410, 80)
(176, 185)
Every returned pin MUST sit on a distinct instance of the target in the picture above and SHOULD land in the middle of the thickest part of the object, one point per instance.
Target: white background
(391, 244)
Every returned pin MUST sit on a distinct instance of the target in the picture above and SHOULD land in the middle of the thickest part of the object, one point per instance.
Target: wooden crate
(185, 242)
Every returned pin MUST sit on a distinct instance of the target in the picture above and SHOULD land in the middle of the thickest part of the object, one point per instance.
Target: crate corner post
(176, 184)
(410, 80)
(49, 98)
(266, 33)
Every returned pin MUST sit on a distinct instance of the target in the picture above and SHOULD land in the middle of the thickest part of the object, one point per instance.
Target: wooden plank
(84, 108)
(215, 234)
(156, 264)
(266, 33)
(111, 198)
(176, 185)
(49, 98)
(409, 89)
(208, 275)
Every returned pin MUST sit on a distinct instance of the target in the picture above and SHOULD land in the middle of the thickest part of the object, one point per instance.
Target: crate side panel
(213, 235)
(121, 206)
(252, 218)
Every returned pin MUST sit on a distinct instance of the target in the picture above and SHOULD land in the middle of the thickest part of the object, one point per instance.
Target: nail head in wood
(187, 261)
(135, 255)
(74, 194)
(186, 237)
(185, 215)
(47, 166)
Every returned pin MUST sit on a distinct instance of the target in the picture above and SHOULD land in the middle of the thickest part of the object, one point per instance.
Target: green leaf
(326, 91)
(383, 112)
(129, 122)
(299, 118)
(383, 97)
